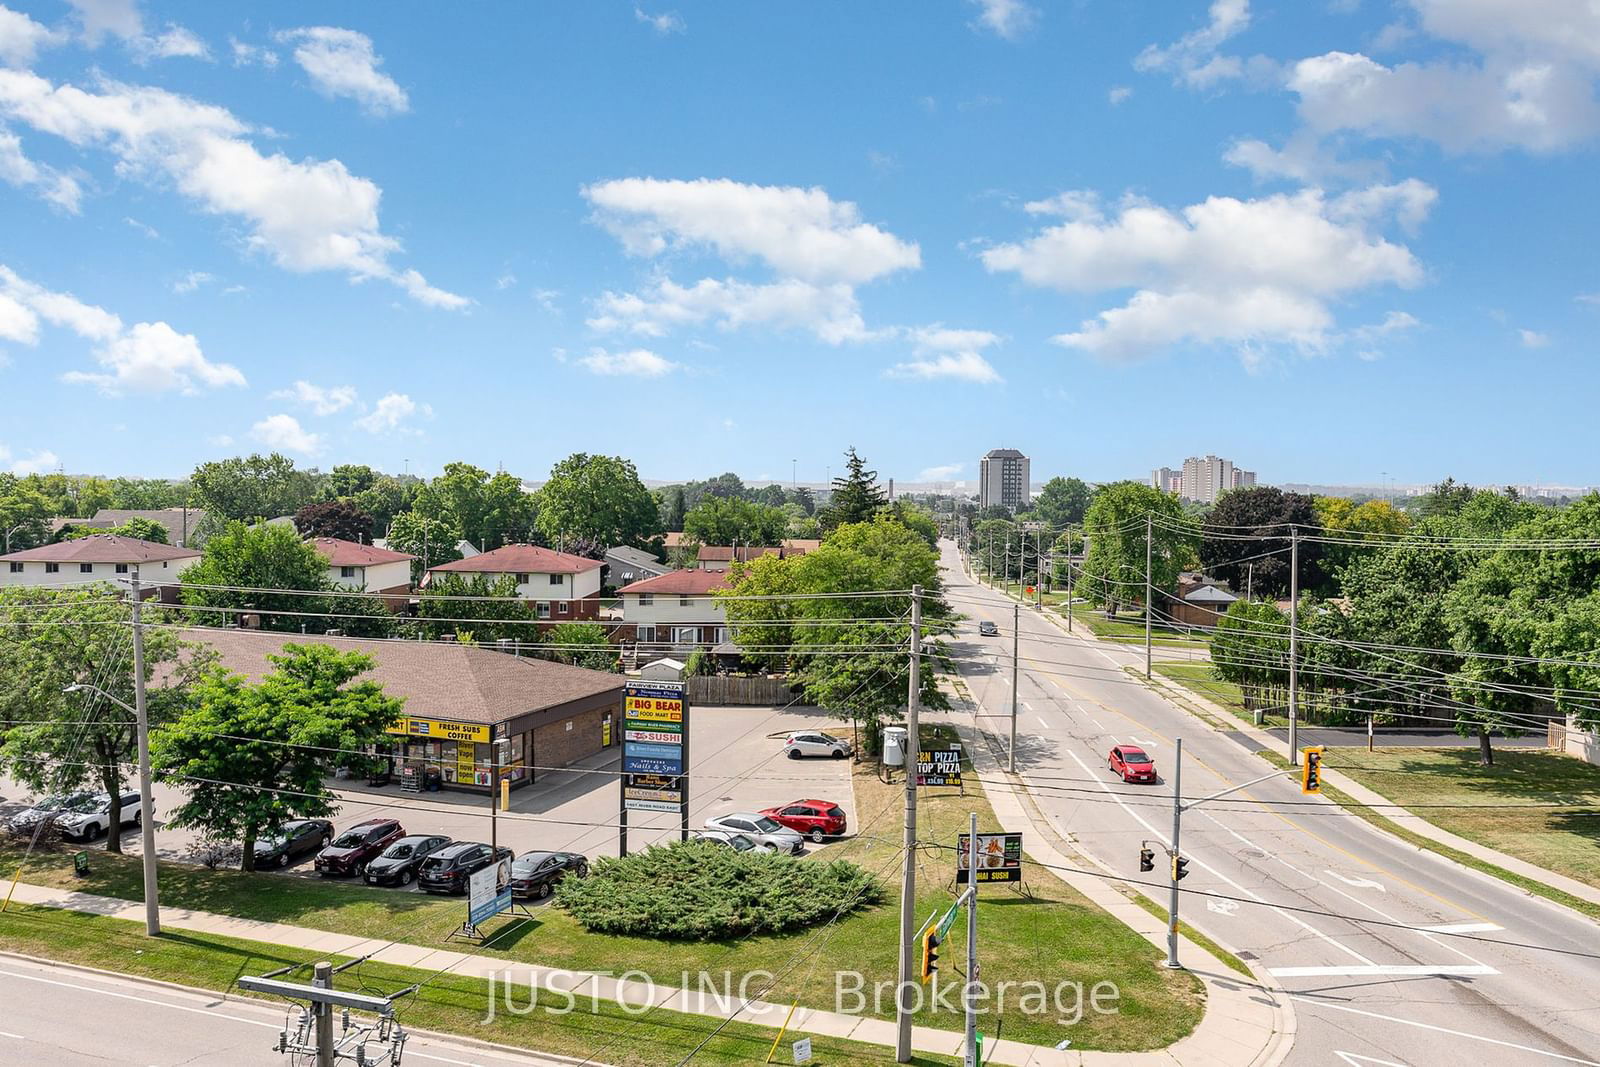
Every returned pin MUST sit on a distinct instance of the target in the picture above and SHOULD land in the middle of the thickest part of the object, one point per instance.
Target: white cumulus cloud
(828, 311)
(943, 352)
(1533, 338)
(99, 19)
(391, 413)
(1009, 19)
(52, 185)
(191, 281)
(1241, 272)
(21, 38)
(665, 22)
(942, 473)
(320, 400)
(1193, 59)
(342, 62)
(36, 462)
(635, 363)
(283, 433)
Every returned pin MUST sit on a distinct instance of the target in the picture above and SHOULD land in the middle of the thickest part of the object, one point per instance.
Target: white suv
(815, 743)
(87, 821)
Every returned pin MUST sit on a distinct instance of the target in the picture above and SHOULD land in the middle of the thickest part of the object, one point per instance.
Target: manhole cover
(1253, 853)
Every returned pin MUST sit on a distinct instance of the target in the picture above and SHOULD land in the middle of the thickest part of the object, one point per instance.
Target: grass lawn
(1058, 935)
(1540, 806)
(1198, 679)
(449, 1004)
(1131, 627)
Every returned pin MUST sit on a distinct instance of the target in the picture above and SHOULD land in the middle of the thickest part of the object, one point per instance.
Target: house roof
(102, 548)
(692, 581)
(1210, 594)
(799, 546)
(725, 553)
(445, 681)
(341, 553)
(179, 522)
(672, 538)
(520, 559)
(638, 557)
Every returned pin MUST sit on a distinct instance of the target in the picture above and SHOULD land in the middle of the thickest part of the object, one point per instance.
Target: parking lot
(576, 809)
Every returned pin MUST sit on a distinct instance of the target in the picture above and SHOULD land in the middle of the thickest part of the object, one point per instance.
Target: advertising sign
(488, 892)
(444, 729)
(999, 858)
(655, 749)
(940, 766)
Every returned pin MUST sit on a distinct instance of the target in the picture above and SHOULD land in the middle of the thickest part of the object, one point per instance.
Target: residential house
(563, 587)
(676, 612)
(366, 568)
(721, 557)
(180, 523)
(629, 565)
(100, 558)
(1199, 601)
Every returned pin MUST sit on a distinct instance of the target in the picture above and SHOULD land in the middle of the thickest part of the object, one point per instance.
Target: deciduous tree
(1114, 570)
(244, 564)
(597, 498)
(342, 519)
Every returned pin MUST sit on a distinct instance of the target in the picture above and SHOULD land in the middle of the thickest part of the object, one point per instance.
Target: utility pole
(908, 883)
(147, 815)
(1250, 582)
(322, 978)
(1069, 585)
(1177, 830)
(1148, 585)
(1016, 623)
(1294, 646)
(972, 941)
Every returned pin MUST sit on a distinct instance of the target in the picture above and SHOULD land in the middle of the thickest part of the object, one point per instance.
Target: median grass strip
(1419, 792)
(1201, 680)
(447, 1003)
(1055, 936)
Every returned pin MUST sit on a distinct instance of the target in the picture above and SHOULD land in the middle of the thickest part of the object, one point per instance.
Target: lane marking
(1380, 970)
(1142, 741)
(1359, 883)
(1043, 723)
(141, 1000)
(1320, 1002)
(1462, 928)
(8, 1033)
(1353, 1060)
(1222, 907)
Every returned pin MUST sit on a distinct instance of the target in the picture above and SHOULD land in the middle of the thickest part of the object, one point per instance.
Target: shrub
(698, 891)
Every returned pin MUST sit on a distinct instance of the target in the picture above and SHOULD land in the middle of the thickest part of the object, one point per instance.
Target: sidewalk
(1363, 795)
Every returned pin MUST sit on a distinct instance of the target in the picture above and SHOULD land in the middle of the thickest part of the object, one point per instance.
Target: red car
(815, 819)
(358, 846)
(1132, 764)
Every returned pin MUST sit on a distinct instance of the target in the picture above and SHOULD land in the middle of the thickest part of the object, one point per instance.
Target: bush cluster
(698, 891)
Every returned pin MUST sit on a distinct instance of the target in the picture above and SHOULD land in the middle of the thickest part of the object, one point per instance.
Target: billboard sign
(488, 892)
(999, 858)
(940, 766)
(655, 749)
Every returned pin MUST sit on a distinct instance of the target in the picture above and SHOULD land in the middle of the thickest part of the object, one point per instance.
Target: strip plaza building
(470, 713)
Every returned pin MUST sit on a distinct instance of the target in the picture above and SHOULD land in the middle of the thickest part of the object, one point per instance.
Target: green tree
(1377, 521)
(432, 541)
(25, 513)
(916, 520)
(599, 499)
(252, 488)
(348, 479)
(240, 567)
(1063, 502)
(729, 520)
(582, 644)
(60, 742)
(489, 510)
(505, 616)
(252, 757)
(386, 498)
(140, 529)
(1114, 570)
(342, 519)
(802, 497)
(856, 496)
(676, 509)
(1245, 540)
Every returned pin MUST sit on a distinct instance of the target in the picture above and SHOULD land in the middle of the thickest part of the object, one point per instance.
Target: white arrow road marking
(1321, 1003)
(1352, 1059)
(1142, 741)
(1222, 907)
(1382, 969)
(1359, 883)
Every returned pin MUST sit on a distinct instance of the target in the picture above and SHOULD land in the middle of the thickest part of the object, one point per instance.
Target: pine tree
(856, 496)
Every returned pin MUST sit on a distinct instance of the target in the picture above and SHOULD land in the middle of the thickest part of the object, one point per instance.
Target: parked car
(988, 629)
(358, 846)
(85, 822)
(48, 810)
(1131, 762)
(399, 862)
(535, 874)
(447, 870)
(815, 819)
(815, 743)
(737, 842)
(761, 829)
(293, 840)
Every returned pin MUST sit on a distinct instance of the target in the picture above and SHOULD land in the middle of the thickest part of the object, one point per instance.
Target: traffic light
(1147, 859)
(930, 952)
(1311, 770)
(1180, 868)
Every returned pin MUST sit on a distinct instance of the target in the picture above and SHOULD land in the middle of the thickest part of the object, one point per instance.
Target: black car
(358, 846)
(535, 874)
(447, 870)
(399, 862)
(988, 629)
(293, 840)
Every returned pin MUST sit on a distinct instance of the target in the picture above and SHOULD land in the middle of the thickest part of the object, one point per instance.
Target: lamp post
(11, 531)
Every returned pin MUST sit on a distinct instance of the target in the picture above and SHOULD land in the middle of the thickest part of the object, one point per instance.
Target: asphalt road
(1393, 956)
(68, 1017)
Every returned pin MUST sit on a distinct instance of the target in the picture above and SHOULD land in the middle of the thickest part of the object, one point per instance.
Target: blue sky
(1328, 239)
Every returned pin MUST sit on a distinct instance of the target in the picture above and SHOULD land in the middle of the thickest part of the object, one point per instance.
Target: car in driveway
(91, 819)
(294, 839)
(988, 629)
(1132, 763)
(804, 743)
(762, 829)
(737, 842)
(49, 810)
(534, 875)
(448, 870)
(398, 864)
(816, 819)
(359, 845)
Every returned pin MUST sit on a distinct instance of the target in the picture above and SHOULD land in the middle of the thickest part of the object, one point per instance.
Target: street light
(147, 817)
(11, 531)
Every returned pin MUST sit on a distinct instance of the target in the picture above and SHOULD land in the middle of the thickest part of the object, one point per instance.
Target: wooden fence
(718, 689)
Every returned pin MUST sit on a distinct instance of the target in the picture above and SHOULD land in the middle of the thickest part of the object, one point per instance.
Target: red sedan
(1132, 764)
(815, 819)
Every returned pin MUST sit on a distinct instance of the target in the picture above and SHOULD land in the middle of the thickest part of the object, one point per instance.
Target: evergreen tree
(856, 496)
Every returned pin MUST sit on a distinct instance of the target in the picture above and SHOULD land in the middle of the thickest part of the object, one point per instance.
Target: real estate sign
(488, 892)
(999, 858)
(655, 750)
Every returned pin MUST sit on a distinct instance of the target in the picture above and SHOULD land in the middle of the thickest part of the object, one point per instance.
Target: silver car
(760, 829)
(737, 842)
(815, 743)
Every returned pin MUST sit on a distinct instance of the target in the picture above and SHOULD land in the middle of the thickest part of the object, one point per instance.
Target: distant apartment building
(1202, 479)
(1004, 478)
